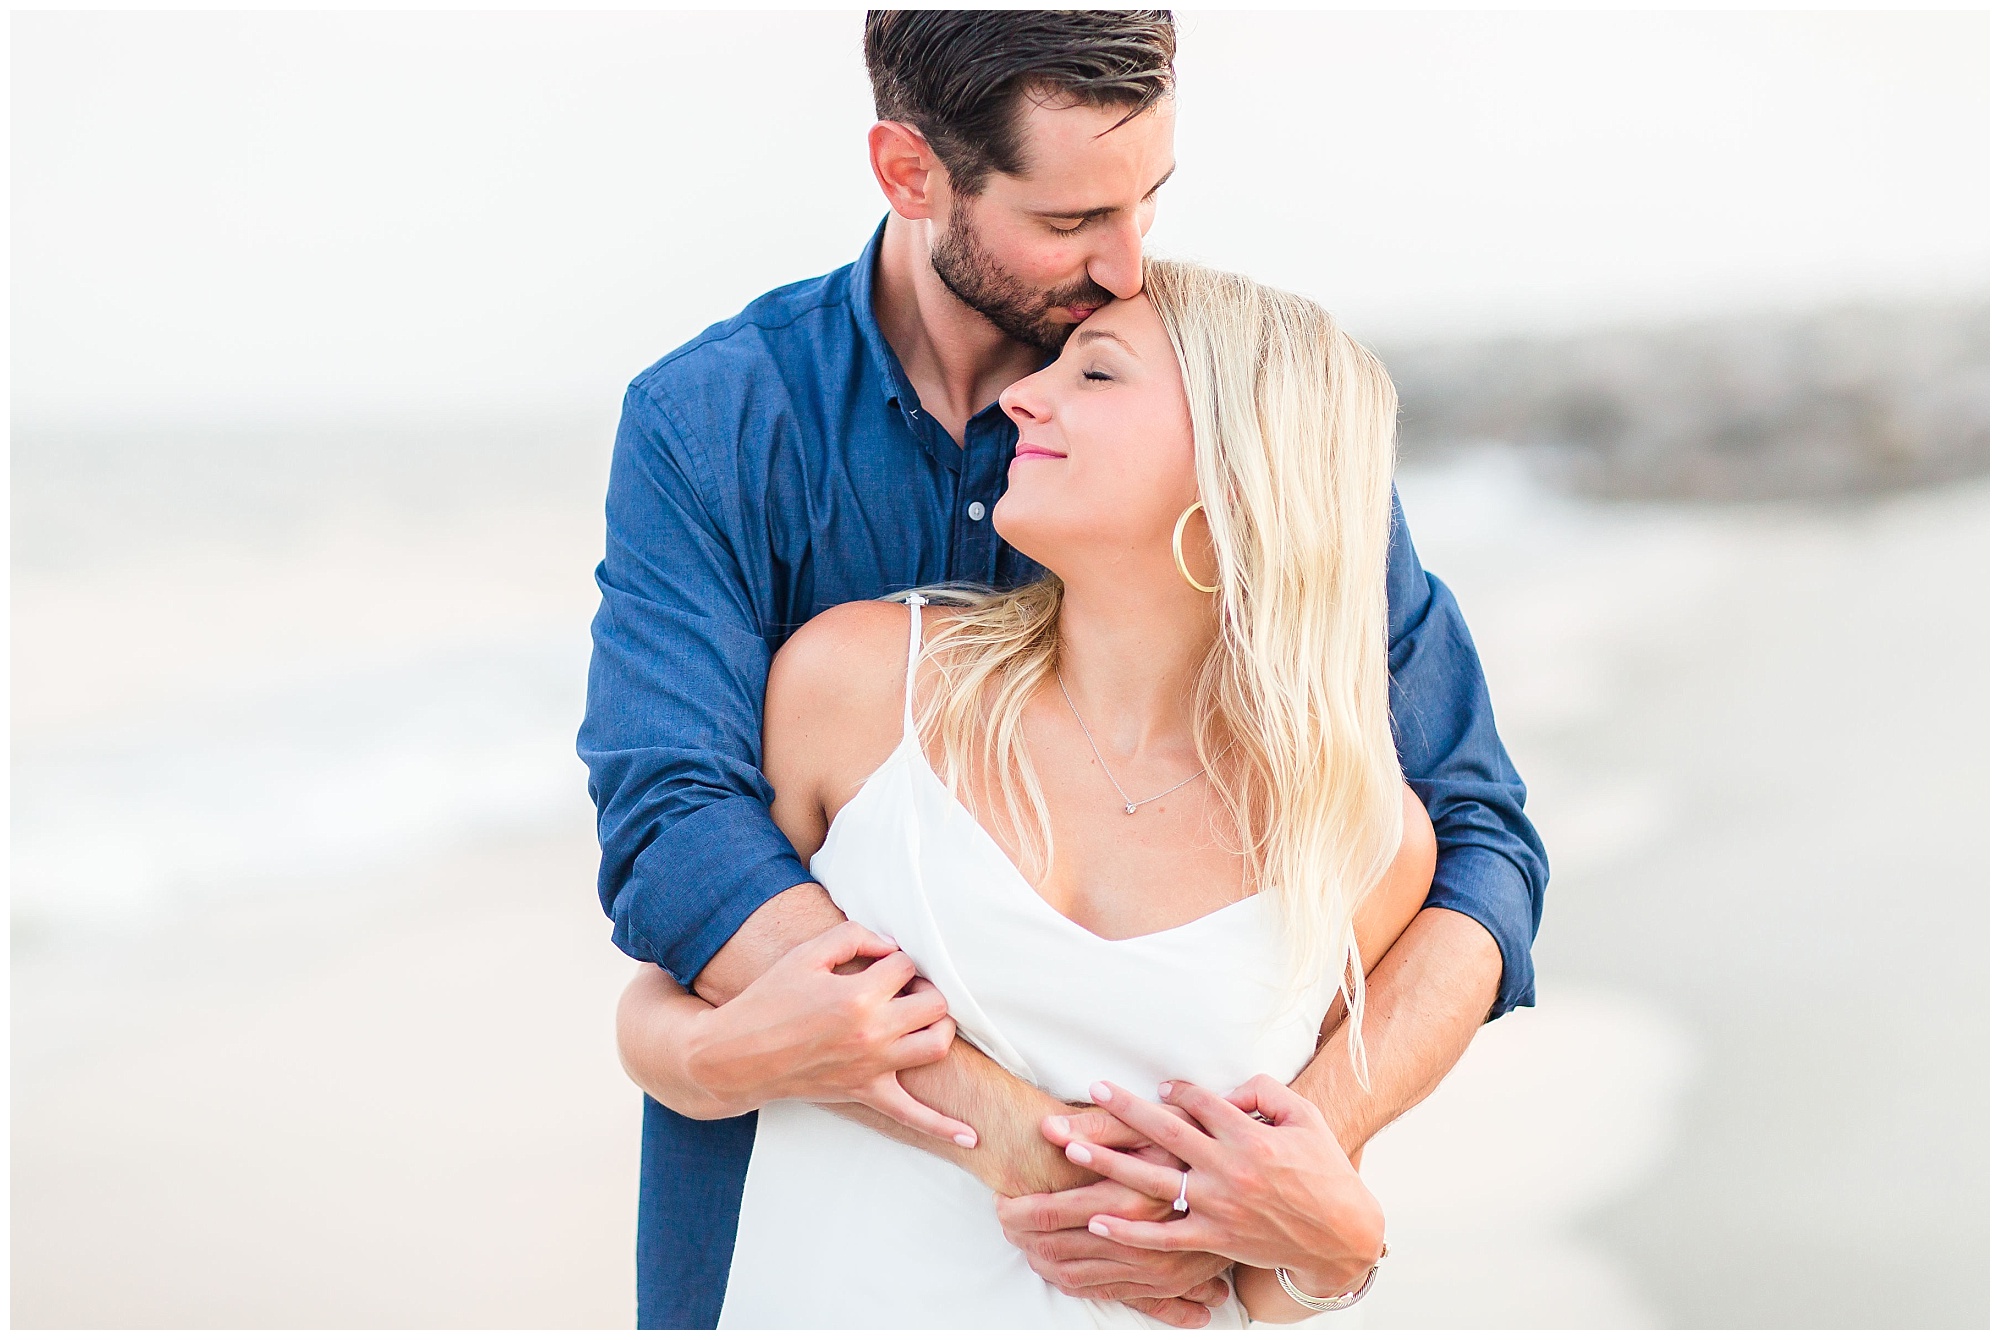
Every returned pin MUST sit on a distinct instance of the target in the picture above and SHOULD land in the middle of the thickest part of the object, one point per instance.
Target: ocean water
(243, 667)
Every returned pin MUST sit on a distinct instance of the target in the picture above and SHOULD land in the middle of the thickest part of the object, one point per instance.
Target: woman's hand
(824, 1025)
(1267, 1195)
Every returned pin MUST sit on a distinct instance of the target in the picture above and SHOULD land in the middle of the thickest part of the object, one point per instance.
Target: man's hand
(831, 1022)
(1051, 1231)
(807, 1030)
(1177, 1288)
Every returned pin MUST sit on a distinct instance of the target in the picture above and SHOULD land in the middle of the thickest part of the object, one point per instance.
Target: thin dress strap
(916, 604)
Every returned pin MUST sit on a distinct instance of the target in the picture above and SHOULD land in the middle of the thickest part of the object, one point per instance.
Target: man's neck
(957, 359)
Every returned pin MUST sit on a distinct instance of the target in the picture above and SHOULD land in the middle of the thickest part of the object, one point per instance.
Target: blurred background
(320, 327)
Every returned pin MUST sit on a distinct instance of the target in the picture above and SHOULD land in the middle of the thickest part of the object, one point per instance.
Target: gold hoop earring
(1180, 561)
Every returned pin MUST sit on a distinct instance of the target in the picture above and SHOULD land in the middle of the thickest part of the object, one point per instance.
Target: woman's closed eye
(1096, 375)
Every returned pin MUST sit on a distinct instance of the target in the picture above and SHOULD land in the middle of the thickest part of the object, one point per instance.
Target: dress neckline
(910, 752)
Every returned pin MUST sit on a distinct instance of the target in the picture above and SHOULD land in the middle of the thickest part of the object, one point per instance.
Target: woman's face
(1105, 464)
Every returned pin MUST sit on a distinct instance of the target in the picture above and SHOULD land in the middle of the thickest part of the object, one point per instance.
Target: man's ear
(908, 172)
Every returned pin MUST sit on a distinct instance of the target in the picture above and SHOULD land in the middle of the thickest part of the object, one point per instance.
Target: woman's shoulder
(857, 648)
(840, 678)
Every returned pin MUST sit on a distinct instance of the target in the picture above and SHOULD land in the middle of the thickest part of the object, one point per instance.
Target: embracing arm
(1425, 1000)
(1491, 866)
(784, 1008)
(696, 874)
(676, 688)
(842, 1017)
(737, 1067)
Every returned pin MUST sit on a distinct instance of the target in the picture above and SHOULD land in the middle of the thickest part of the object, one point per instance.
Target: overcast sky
(290, 217)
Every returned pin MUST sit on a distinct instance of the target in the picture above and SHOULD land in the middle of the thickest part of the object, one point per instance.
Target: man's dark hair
(956, 75)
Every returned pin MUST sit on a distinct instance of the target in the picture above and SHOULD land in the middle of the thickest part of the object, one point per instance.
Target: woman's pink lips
(1023, 453)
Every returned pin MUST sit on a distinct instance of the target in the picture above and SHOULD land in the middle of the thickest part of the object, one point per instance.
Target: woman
(1141, 822)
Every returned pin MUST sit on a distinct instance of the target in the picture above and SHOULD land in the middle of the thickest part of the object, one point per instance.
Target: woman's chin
(1057, 552)
(1020, 533)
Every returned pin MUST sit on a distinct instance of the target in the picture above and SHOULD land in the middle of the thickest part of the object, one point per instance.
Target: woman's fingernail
(1100, 1092)
(1097, 1227)
(1060, 1125)
(1078, 1151)
(965, 1140)
(1167, 1089)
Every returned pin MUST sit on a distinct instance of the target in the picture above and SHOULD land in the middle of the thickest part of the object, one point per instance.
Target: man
(839, 440)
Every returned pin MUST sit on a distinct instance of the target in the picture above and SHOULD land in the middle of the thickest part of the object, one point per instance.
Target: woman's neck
(1130, 653)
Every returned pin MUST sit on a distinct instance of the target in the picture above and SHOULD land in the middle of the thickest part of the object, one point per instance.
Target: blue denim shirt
(780, 464)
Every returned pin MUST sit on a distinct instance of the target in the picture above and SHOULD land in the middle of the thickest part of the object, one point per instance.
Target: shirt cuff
(699, 881)
(1483, 884)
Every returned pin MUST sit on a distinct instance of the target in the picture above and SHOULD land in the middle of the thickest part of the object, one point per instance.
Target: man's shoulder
(784, 332)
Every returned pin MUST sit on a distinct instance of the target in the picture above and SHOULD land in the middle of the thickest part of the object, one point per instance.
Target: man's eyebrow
(1085, 336)
(1101, 210)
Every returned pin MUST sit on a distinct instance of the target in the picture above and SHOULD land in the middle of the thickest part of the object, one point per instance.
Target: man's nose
(1119, 268)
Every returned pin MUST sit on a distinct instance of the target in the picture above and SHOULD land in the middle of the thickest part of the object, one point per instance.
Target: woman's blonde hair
(1294, 438)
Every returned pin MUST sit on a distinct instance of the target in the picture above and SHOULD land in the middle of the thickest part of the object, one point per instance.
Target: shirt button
(977, 511)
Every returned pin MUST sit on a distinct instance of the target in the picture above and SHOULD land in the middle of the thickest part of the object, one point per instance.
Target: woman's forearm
(1265, 1300)
(1012, 1157)
(1257, 1289)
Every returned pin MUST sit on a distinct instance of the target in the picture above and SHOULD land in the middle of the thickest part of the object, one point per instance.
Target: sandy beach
(377, 1088)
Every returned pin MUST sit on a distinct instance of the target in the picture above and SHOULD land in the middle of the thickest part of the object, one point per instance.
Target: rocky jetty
(1842, 402)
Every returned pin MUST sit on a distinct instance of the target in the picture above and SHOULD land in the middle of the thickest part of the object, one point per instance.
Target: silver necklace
(1131, 805)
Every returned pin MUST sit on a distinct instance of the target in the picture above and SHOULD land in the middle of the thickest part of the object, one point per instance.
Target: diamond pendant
(1131, 809)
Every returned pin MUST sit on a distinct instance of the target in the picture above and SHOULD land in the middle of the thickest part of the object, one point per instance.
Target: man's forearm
(657, 1022)
(1426, 1000)
(1006, 1111)
(781, 925)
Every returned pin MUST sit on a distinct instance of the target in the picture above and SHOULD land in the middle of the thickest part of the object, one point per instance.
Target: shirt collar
(895, 383)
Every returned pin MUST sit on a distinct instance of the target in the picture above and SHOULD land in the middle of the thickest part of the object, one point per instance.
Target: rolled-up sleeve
(1491, 865)
(672, 731)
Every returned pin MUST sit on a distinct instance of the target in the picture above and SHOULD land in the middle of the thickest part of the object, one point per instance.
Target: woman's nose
(1021, 404)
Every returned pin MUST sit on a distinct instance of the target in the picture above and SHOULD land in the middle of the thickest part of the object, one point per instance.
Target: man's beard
(979, 281)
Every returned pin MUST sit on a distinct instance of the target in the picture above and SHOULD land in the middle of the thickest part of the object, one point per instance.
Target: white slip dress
(842, 1227)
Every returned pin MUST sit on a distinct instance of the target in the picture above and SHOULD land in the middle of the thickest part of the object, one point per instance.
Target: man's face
(1037, 253)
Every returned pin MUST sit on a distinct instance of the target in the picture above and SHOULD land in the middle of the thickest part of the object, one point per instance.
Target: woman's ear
(911, 178)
